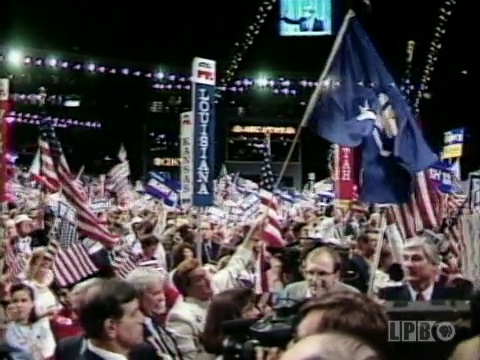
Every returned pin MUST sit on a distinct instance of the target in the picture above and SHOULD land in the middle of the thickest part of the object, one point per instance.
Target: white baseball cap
(21, 218)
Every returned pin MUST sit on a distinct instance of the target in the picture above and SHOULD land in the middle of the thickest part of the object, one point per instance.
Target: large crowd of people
(191, 276)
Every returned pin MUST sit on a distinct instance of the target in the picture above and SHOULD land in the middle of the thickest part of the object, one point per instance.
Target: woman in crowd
(276, 276)
(228, 305)
(40, 277)
(27, 331)
(180, 252)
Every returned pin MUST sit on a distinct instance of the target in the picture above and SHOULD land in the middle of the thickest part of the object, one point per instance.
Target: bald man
(330, 346)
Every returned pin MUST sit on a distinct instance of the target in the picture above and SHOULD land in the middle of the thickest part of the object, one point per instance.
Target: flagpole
(306, 115)
(268, 144)
(4, 98)
(316, 94)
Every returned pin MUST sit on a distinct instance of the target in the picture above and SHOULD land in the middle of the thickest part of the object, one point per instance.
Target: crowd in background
(192, 276)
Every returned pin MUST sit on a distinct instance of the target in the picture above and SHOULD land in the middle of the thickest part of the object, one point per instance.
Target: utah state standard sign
(203, 103)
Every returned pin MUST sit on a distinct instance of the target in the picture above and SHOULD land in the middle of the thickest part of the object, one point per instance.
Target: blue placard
(160, 188)
(203, 93)
(441, 174)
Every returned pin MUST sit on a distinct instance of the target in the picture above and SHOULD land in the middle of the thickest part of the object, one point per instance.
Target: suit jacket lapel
(162, 340)
(90, 355)
(405, 294)
(438, 292)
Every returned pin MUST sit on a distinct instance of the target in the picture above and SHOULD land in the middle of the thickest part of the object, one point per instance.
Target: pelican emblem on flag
(384, 122)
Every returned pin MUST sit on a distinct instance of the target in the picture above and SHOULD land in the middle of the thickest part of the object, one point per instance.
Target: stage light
(282, 85)
(15, 58)
(243, 46)
(91, 67)
(52, 62)
(262, 82)
(433, 51)
(34, 119)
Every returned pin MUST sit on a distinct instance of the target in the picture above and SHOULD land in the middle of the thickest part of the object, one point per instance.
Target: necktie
(420, 297)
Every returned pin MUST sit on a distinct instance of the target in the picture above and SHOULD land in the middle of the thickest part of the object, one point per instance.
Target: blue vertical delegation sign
(203, 108)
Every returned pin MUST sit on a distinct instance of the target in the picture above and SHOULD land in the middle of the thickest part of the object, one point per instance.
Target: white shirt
(24, 245)
(36, 340)
(161, 256)
(105, 354)
(309, 294)
(186, 320)
(427, 293)
(309, 23)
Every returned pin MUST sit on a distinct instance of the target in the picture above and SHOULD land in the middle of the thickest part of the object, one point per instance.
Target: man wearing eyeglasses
(322, 274)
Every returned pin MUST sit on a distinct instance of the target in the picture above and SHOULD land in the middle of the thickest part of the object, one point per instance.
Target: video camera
(277, 330)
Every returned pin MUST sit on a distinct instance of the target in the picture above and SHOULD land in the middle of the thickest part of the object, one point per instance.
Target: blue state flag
(360, 105)
(159, 187)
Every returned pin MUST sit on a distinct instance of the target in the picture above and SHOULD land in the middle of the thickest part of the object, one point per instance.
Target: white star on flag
(366, 113)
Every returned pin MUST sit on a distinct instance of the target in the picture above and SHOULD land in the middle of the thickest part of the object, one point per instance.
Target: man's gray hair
(429, 248)
(143, 277)
(82, 287)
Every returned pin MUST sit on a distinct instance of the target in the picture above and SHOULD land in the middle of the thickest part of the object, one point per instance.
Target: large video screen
(244, 142)
(305, 17)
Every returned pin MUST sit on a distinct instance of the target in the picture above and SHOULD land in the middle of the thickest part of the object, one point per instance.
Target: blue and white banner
(203, 108)
(159, 187)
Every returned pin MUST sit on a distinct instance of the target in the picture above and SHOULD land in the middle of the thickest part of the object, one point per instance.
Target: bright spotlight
(262, 82)
(15, 57)
(52, 62)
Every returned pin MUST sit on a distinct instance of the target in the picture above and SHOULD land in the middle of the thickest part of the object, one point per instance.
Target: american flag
(119, 183)
(267, 179)
(269, 205)
(455, 202)
(422, 212)
(71, 260)
(72, 264)
(125, 262)
(16, 263)
(87, 222)
(67, 233)
(269, 208)
(47, 174)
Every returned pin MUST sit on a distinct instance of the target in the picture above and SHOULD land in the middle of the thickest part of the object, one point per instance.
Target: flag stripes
(72, 265)
(88, 223)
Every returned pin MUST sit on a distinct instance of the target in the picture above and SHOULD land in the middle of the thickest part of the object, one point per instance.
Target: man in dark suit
(322, 275)
(210, 248)
(422, 266)
(111, 319)
(73, 346)
(70, 348)
(308, 22)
